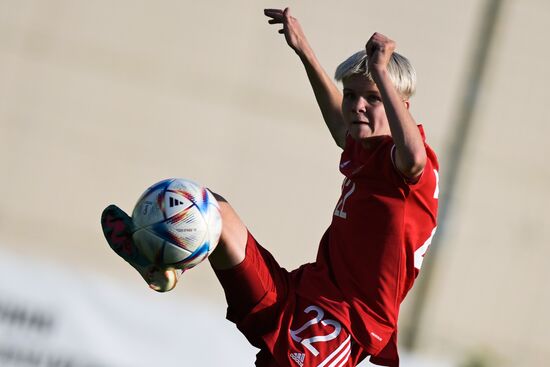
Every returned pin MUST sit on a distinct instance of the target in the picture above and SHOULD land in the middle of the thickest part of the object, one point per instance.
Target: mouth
(360, 122)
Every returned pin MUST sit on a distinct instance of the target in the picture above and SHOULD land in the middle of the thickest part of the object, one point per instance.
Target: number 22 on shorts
(319, 318)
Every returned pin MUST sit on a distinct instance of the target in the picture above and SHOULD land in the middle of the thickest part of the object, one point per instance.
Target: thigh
(255, 288)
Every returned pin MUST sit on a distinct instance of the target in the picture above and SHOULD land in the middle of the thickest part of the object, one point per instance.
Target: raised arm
(327, 94)
(410, 153)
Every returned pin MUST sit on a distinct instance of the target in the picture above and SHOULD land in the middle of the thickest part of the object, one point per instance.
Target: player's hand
(379, 50)
(292, 30)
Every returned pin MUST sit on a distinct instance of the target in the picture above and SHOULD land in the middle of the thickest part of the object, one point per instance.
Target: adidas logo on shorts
(298, 358)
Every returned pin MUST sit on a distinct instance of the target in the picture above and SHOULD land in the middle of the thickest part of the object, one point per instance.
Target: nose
(359, 105)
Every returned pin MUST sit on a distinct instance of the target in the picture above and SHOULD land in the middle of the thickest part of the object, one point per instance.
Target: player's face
(363, 109)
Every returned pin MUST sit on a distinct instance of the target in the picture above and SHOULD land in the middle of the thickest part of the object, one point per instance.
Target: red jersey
(373, 249)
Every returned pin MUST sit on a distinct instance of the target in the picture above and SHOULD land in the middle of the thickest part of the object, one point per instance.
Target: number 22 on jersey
(348, 188)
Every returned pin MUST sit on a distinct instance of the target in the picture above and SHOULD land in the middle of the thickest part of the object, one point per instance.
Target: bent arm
(327, 94)
(410, 152)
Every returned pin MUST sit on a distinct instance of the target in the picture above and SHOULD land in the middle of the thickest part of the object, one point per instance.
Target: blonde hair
(402, 73)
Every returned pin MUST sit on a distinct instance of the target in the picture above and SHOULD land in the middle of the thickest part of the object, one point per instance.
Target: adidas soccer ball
(177, 223)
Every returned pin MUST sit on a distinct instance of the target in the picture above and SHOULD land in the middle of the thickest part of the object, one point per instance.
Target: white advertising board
(52, 318)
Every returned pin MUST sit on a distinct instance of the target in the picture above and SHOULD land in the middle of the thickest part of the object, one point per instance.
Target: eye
(348, 94)
(374, 99)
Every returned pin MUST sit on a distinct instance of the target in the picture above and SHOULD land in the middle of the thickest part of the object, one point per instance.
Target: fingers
(270, 12)
(277, 15)
(379, 49)
(379, 42)
(291, 29)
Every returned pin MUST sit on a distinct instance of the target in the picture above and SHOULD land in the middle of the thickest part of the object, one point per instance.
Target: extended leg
(230, 251)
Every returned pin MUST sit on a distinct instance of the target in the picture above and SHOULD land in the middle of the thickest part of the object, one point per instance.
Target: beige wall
(491, 292)
(100, 99)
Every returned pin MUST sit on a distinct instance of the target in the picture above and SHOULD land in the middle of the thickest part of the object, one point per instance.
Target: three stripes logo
(175, 202)
(298, 358)
(338, 357)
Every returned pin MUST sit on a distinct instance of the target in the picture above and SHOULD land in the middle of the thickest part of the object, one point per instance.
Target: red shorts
(288, 330)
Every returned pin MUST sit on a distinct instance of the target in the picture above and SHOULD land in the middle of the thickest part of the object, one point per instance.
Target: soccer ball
(177, 223)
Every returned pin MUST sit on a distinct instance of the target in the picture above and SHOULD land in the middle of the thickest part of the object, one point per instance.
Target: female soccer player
(344, 306)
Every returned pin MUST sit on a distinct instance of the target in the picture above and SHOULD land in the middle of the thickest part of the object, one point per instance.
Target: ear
(407, 104)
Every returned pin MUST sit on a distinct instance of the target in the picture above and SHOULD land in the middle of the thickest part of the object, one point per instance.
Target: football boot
(117, 229)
